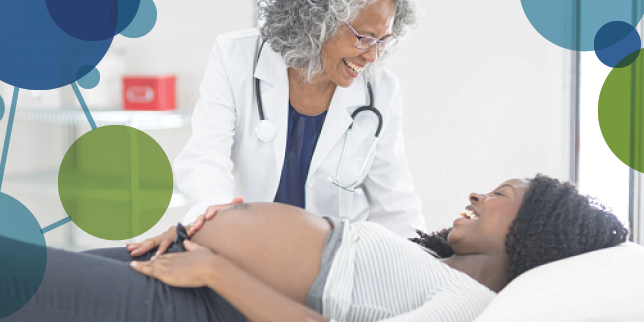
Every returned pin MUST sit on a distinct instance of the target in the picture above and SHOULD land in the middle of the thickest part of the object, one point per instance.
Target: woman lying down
(272, 262)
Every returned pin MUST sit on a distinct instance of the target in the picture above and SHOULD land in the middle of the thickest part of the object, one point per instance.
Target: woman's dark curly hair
(553, 222)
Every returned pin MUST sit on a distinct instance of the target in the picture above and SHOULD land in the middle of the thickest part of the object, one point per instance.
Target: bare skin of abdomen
(280, 245)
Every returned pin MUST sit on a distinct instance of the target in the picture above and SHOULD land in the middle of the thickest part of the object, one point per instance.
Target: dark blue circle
(23, 254)
(92, 20)
(35, 53)
(615, 41)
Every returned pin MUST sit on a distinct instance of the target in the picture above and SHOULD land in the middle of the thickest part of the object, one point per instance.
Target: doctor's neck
(309, 98)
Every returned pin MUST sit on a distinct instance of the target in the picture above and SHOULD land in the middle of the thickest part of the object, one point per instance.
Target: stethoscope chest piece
(266, 130)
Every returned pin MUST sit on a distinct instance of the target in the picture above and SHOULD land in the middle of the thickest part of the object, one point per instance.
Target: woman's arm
(258, 301)
(200, 267)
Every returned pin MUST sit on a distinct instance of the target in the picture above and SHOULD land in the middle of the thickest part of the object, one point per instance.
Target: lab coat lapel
(338, 119)
(271, 71)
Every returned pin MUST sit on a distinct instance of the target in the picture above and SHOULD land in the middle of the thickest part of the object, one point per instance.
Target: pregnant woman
(273, 262)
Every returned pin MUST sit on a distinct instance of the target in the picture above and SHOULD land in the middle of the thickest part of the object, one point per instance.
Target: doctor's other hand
(209, 214)
(162, 242)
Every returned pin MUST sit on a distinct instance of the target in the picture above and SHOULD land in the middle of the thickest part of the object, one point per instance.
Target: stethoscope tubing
(266, 129)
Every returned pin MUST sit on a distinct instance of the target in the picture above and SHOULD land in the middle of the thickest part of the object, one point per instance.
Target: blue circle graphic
(91, 79)
(92, 20)
(615, 41)
(573, 24)
(23, 255)
(1, 108)
(144, 21)
(35, 53)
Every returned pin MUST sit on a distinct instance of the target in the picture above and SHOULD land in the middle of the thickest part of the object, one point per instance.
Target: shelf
(46, 184)
(142, 120)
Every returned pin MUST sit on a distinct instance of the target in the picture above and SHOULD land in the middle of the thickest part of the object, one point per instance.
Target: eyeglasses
(366, 42)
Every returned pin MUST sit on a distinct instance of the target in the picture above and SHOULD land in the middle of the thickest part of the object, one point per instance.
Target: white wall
(485, 100)
(180, 44)
(485, 95)
(181, 40)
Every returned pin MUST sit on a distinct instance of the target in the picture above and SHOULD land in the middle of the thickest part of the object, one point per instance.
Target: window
(600, 173)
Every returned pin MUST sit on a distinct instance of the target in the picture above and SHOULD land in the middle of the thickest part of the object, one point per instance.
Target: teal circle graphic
(91, 79)
(23, 254)
(559, 20)
(143, 22)
(1, 108)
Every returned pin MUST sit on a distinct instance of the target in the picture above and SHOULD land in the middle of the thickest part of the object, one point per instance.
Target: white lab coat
(224, 158)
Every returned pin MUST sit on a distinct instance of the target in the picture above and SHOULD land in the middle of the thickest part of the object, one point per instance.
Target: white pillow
(604, 285)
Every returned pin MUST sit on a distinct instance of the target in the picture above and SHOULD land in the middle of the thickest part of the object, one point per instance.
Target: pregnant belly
(279, 244)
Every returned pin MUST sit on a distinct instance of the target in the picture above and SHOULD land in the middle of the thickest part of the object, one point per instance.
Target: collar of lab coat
(272, 73)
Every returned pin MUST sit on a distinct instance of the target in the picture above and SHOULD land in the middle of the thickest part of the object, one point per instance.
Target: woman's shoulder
(238, 42)
(246, 38)
(386, 90)
(384, 78)
(236, 51)
(239, 36)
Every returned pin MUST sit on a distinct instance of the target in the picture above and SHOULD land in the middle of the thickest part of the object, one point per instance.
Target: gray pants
(101, 286)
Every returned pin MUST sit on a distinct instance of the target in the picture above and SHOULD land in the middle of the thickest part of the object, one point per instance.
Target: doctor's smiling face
(343, 62)
(488, 219)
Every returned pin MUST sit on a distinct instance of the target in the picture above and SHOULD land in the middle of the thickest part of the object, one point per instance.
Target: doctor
(277, 120)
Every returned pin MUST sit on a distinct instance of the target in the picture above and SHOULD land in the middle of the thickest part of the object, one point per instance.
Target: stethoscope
(266, 129)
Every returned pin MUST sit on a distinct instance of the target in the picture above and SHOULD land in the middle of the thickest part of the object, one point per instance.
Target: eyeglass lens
(366, 43)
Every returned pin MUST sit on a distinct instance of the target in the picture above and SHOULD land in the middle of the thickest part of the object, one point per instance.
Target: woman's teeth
(355, 68)
(468, 214)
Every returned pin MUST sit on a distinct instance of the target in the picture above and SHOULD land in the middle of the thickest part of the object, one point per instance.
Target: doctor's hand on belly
(164, 240)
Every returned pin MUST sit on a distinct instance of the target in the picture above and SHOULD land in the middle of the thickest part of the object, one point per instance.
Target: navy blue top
(301, 138)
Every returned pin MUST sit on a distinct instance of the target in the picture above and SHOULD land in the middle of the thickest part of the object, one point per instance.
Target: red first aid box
(149, 93)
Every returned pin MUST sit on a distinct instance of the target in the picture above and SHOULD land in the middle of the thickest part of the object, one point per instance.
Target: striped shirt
(378, 276)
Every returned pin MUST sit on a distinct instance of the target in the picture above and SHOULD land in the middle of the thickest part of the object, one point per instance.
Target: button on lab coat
(224, 158)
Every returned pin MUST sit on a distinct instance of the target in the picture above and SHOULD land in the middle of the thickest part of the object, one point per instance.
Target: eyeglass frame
(377, 42)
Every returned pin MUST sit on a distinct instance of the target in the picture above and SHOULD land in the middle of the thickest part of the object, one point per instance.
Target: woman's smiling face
(343, 62)
(493, 214)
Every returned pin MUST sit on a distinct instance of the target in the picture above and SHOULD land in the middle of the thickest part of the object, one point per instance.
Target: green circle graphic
(115, 182)
(621, 112)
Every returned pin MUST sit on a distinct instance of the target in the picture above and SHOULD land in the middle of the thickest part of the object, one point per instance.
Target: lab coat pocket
(358, 151)
(353, 171)
(351, 197)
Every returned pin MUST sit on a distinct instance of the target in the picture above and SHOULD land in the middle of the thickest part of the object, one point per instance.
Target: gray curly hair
(297, 29)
